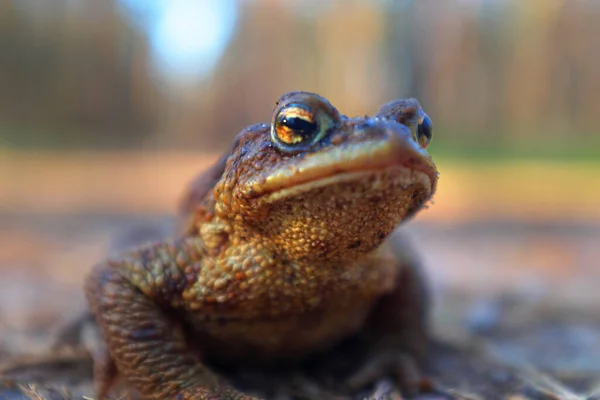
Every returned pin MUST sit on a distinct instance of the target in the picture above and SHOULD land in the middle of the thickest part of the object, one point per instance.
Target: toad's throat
(350, 162)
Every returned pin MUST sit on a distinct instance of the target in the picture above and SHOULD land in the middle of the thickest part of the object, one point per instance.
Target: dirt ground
(516, 305)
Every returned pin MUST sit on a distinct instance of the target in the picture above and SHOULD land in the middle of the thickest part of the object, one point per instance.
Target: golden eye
(295, 124)
(424, 131)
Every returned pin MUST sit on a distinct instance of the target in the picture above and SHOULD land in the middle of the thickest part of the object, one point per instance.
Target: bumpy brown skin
(283, 253)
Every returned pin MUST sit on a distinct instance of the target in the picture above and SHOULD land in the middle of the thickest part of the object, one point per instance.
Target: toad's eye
(424, 131)
(294, 125)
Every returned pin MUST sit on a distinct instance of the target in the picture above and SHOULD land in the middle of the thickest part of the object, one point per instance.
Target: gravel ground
(516, 305)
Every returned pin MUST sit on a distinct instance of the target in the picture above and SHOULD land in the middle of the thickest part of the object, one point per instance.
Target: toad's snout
(400, 144)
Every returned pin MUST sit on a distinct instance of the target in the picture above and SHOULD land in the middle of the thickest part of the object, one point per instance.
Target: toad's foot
(224, 393)
(397, 364)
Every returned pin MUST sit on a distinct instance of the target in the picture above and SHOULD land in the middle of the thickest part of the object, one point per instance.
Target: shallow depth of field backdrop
(108, 108)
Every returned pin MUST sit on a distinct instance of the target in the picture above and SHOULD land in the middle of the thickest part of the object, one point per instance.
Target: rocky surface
(515, 318)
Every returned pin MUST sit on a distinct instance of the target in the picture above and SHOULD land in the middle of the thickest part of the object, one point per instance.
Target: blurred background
(114, 104)
(108, 108)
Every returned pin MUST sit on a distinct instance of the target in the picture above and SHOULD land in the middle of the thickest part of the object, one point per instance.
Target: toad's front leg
(130, 300)
(395, 335)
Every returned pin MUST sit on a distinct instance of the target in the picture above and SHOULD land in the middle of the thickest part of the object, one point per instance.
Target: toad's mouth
(351, 162)
(406, 179)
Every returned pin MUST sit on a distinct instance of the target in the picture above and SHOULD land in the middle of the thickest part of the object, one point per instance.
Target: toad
(284, 251)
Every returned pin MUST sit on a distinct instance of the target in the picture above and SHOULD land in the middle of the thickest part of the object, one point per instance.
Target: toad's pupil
(300, 125)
